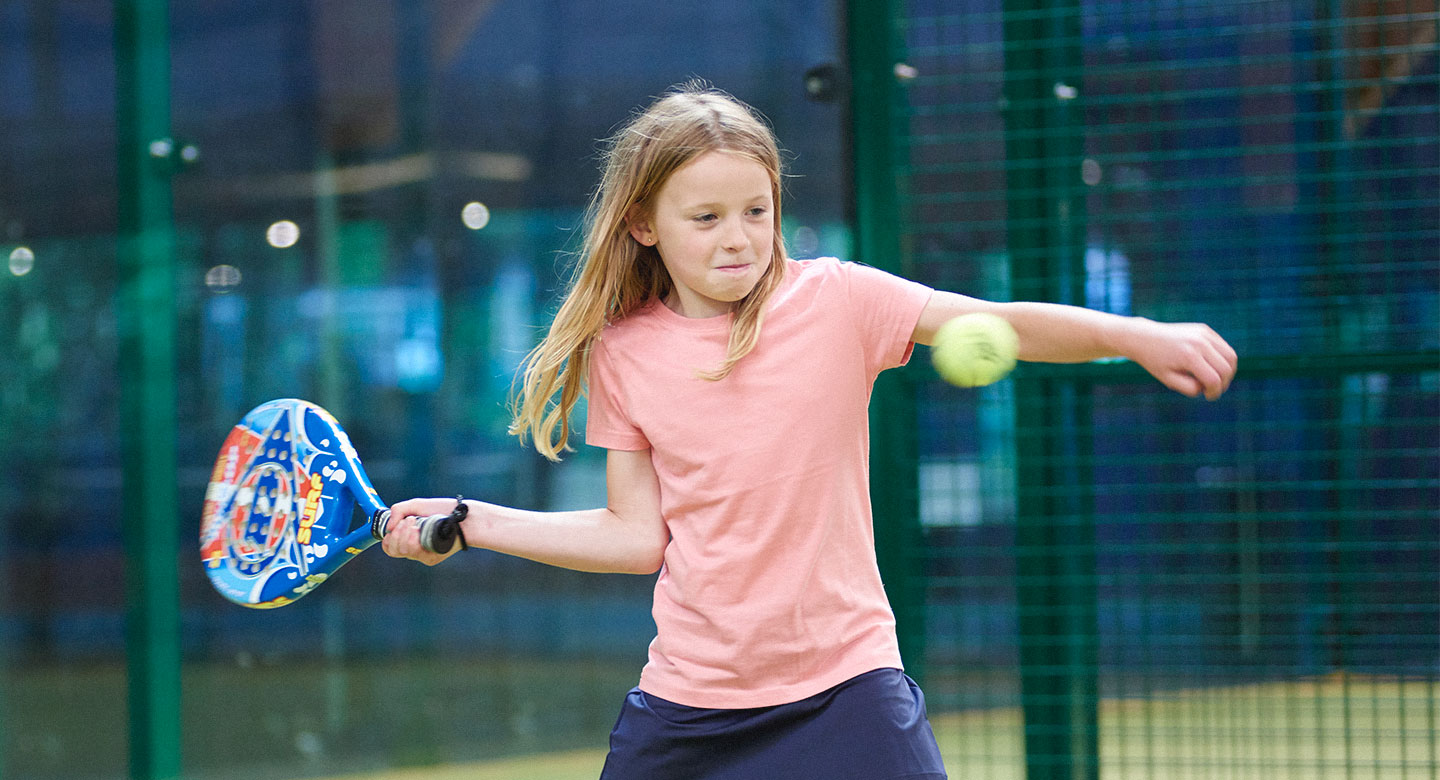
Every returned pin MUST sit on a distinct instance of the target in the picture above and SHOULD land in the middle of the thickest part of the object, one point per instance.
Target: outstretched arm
(628, 535)
(1189, 358)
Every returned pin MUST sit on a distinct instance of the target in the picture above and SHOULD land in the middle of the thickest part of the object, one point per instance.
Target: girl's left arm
(1189, 357)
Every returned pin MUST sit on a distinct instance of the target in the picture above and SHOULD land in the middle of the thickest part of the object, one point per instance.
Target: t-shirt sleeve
(606, 423)
(886, 308)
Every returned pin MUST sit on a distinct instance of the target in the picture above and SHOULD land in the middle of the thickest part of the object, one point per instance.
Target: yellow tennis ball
(974, 350)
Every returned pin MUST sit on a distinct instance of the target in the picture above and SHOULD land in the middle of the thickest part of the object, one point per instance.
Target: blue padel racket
(279, 514)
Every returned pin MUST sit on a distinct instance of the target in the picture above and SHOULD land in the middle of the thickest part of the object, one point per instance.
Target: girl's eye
(757, 211)
(705, 218)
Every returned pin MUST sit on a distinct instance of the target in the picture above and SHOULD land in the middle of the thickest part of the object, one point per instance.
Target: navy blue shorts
(871, 727)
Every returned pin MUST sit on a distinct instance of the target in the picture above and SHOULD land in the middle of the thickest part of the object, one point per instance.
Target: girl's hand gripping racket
(281, 504)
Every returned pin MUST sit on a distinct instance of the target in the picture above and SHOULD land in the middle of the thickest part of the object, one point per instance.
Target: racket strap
(457, 515)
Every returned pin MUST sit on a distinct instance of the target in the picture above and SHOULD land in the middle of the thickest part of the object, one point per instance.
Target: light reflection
(222, 279)
(283, 234)
(22, 260)
(475, 215)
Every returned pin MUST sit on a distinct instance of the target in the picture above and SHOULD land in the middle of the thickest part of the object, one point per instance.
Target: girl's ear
(640, 228)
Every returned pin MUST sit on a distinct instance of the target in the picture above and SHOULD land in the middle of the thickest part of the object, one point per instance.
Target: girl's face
(713, 223)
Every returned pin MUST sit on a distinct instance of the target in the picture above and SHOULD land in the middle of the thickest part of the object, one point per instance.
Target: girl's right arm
(627, 536)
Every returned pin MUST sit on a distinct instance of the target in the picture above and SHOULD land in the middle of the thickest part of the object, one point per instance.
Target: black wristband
(458, 514)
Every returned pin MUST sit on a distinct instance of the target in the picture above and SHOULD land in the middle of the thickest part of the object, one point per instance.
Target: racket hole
(358, 517)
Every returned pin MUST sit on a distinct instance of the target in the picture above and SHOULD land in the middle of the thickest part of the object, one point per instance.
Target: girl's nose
(734, 236)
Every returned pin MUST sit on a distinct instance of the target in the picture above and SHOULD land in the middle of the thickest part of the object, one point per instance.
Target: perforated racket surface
(280, 505)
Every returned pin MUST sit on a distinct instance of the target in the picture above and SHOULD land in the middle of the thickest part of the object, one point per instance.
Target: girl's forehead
(720, 172)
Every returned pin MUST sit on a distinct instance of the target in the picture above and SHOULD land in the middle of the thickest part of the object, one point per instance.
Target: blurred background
(372, 204)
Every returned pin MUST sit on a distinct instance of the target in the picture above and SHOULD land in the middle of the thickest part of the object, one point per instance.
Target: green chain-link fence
(1118, 581)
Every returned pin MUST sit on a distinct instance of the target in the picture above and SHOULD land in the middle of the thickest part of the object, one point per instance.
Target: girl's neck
(673, 302)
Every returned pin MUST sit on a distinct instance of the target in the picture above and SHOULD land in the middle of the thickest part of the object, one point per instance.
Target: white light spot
(475, 215)
(22, 260)
(283, 234)
(222, 279)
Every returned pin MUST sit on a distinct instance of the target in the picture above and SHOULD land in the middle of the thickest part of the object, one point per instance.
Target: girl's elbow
(645, 568)
(649, 559)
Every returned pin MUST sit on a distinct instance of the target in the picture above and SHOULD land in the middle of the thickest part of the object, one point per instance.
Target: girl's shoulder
(815, 266)
(825, 268)
(812, 272)
(827, 275)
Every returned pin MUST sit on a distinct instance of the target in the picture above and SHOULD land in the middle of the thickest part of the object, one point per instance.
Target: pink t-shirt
(770, 591)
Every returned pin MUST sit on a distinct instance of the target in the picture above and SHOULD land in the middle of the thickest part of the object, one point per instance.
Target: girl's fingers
(1210, 362)
(1186, 384)
(1223, 361)
(401, 538)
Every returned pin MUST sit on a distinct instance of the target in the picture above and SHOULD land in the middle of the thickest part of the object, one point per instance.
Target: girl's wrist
(470, 526)
(1123, 336)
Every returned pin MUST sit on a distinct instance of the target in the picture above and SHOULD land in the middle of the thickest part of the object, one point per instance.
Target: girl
(729, 385)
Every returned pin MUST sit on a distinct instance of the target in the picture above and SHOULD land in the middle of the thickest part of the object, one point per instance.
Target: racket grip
(380, 523)
(438, 533)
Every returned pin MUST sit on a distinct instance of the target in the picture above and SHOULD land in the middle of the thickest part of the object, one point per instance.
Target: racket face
(280, 503)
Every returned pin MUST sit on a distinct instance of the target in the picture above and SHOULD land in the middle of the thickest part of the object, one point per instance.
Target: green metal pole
(894, 480)
(1055, 526)
(145, 312)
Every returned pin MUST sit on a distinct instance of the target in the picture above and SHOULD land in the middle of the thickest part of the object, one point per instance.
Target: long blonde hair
(617, 275)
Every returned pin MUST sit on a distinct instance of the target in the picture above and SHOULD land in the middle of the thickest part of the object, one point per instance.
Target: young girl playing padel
(728, 384)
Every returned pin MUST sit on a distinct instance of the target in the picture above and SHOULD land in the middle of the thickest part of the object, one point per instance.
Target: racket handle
(380, 523)
(438, 533)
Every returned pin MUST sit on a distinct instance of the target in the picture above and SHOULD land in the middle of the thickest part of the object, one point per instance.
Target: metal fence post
(1055, 523)
(894, 481)
(145, 311)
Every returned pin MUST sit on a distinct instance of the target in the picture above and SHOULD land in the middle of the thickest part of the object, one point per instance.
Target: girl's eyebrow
(715, 205)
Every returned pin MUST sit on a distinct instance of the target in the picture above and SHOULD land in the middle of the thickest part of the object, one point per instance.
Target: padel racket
(279, 514)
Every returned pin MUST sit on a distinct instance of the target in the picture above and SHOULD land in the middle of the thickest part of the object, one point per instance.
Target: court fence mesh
(1113, 580)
